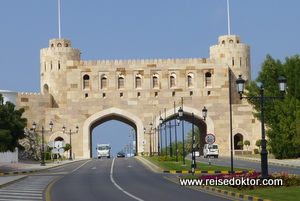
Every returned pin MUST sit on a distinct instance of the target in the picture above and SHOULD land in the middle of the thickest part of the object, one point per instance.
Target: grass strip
(172, 165)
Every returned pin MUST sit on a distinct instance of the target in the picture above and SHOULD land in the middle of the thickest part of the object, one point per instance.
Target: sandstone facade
(137, 92)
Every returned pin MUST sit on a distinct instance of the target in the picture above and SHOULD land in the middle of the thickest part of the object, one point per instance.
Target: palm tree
(189, 140)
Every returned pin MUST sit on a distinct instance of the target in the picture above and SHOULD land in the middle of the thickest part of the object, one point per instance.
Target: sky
(140, 29)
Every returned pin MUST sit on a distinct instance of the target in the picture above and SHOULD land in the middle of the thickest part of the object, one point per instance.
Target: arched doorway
(121, 137)
(105, 116)
(176, 131)
(238, 137)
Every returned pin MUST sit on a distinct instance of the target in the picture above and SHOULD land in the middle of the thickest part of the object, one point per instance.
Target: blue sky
(140, 29)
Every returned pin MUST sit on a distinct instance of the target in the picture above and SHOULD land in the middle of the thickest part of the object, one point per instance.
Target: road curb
(39, 170)
(13, 181)
(23, 172)
(234, 194)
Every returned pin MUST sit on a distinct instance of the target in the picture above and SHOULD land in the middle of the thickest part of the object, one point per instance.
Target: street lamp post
(180, 113)
(177, 122)
(264, 153)
(171, 148)
(43, 130)
(63, 129)
(194, 164)
(160, 133)
(150, 137)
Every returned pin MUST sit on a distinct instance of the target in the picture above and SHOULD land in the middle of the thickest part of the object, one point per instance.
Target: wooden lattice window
(104, 82)
(86, 82)
(121, 82)
(155, 81)
(208, 79)
(138, 81)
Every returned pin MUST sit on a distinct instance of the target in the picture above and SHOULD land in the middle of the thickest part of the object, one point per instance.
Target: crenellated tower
(53, 68)
(232, 52)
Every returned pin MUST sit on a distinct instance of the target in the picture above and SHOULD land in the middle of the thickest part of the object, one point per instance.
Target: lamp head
(204, 112)
(240, 85)
(180, 112)
(51, 125)
(282, 84)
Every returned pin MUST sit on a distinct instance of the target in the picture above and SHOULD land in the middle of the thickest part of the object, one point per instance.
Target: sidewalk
(13, 172)
(284, 162)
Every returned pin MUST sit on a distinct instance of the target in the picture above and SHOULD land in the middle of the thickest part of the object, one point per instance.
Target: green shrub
(47, 155)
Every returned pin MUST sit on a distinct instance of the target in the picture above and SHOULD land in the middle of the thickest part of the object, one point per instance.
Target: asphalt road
(248, 165)
(125, 179)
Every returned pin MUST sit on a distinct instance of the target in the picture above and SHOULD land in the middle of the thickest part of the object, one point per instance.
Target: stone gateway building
(137, 92)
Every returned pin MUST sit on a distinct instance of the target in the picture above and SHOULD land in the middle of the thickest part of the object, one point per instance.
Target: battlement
(240, 46)
(142, 61)
(59, 49)
(30, 95)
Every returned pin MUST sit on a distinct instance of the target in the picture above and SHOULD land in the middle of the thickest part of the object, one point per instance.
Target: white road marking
(119, 187)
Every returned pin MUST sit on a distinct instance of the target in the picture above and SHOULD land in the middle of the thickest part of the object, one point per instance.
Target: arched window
(138, 81)
(207, 79)
(121, 82)
(155, 81)
(86, 82)
(46, 89)
(172, 80)
(59, 45)
(190, 80)
(103, 82)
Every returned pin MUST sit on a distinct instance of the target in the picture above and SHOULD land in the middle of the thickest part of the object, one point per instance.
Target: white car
(211, 150)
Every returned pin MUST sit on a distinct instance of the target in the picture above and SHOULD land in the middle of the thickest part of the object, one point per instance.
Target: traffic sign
(58, 151)
(57, 144)
(210, 138)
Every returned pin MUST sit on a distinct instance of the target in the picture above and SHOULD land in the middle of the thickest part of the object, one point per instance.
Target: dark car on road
(120, 154)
